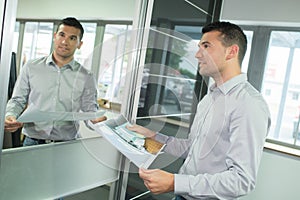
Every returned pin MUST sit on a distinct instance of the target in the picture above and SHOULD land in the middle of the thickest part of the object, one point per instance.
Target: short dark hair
(230, 34)
(71, 21)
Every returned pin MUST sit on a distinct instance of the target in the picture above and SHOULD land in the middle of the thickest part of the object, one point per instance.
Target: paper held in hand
(138, 149)
(32, 114)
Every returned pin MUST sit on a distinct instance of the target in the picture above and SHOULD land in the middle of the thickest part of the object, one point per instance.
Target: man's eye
(73, 38)
(61, 34)
(205, 46)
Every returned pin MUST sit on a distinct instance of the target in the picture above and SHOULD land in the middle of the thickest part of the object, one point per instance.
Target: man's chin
(204, 72)
(63, 54)
(201, 71)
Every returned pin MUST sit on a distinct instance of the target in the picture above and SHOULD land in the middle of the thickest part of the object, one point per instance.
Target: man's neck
(225, 76)
(61, 61)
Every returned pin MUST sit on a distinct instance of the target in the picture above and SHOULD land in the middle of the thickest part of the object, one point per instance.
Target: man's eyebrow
(70, 36)
(205, 42)
(202, 43)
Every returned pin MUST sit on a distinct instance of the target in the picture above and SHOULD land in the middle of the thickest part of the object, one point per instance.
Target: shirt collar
(228, 85)
(71, 64)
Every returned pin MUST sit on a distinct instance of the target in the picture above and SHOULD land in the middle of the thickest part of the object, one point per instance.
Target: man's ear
(79, 45)
(232, 52)
(54, 35)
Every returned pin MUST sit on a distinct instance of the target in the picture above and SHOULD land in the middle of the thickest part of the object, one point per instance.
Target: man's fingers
(99, 119)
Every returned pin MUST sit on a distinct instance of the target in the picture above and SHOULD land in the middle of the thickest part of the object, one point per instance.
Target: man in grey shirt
(55, 83)
(224, 148)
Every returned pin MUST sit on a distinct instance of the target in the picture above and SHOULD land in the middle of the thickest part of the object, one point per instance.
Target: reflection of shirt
(225, 143)
(41, 83)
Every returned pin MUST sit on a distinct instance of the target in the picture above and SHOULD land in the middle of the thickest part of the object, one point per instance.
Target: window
(37, 40)
(84, 55)
(281, 86)
(114, 60)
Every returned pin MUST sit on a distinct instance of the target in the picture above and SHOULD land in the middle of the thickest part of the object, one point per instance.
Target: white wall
(278, 178)
(265, 12)
(84, 9)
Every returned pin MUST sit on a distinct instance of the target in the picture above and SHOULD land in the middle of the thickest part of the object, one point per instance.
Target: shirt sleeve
(19, 98)
(89, 96)
(249, 125)
(175, 146)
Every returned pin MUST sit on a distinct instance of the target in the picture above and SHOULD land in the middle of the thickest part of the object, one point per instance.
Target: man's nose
(64, 41)
(199, 53)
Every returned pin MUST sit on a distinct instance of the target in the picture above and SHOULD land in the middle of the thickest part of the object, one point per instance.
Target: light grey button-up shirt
(225, 144)
(41, 83)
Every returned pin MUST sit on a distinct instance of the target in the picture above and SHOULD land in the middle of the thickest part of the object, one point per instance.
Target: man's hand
(11, 124)
(157, 181)
(141, 130)
(99, 119)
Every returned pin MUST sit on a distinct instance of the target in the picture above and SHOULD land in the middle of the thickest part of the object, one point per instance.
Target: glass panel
(170, 73)
(37, 40)
(114, 60)
(193, 32)
(184, 11)
(281, 85)
(84, 55)
(249, 35)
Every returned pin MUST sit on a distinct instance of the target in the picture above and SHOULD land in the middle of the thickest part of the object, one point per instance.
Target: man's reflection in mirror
(54, 83)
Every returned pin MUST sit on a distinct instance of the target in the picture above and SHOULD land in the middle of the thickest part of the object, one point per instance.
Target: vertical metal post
(284, 92)
(8, 19)
(100, 30)
(141, 25)
(129, 107)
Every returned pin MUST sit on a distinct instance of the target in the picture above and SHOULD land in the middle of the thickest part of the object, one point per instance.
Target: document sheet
(129, 143)
(32, 114)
